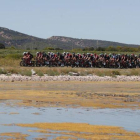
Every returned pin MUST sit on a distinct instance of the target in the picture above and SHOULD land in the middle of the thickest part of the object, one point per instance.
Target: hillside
(22, 41)
(19, 40)
(81, 43)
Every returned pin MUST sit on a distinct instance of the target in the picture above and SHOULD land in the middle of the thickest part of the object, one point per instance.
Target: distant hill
(22, 41)
(19, 40)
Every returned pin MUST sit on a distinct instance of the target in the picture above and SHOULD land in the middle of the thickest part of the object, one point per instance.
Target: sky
(112, 20)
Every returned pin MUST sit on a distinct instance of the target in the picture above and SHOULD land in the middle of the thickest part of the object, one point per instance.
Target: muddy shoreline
(44, 78)
(69, 107)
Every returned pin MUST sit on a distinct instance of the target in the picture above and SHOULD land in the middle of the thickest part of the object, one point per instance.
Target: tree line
(109, 48)
(112, 48)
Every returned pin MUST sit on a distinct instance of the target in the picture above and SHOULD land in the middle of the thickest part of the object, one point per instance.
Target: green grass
(26, 73)
(39, 73)
(18, 53)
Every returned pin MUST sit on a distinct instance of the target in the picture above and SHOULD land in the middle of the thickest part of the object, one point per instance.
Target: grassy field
(10, 59)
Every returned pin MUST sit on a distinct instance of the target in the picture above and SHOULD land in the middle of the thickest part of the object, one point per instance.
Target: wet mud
(73, 94)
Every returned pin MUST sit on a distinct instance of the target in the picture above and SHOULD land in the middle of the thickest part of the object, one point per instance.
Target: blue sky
(112, 20)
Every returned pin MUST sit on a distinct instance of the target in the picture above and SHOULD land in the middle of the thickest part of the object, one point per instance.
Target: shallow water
(127, 118)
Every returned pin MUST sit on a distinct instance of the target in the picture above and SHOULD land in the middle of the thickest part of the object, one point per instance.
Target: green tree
(100, 49)
(2, 46)
(88, 49)
(49, 48)
(28, 49)
(58, 49)
(111, 48)
(12, 47)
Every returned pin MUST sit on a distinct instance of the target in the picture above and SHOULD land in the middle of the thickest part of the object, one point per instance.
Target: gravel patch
(44, 78)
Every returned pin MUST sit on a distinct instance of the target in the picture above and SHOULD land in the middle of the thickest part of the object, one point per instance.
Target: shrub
(13, 71)
(49, 48)
(39, 73)
(26, 73)
(3, 71)
(12, 47)
(2, 46)
(115, 72)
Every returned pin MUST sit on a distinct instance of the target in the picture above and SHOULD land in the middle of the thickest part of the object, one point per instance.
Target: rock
(73, 74)
(33, 72)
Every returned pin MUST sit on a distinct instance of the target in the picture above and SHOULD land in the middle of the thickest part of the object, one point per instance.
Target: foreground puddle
(10, 116)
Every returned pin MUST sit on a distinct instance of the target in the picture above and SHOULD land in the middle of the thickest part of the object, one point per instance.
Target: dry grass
(9, 62)
(54, 71)
(83, 131)
(13, 113)
(14, 136)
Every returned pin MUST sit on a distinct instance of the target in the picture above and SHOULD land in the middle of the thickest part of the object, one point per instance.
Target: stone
(73, 74)
(33, 72)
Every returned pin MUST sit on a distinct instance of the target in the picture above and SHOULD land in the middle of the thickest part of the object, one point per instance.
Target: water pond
(126, 118)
